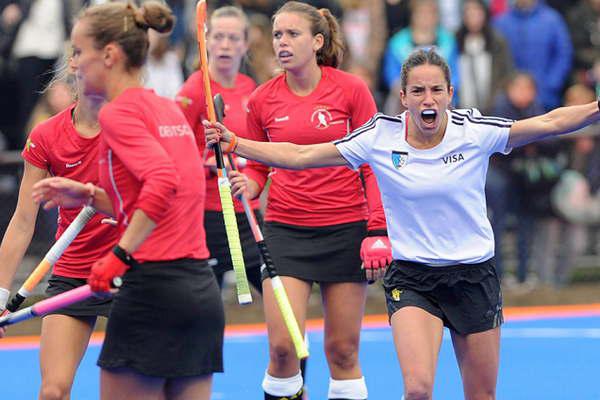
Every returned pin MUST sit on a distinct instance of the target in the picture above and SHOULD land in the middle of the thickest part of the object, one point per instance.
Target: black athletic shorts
(216, 240)
(167, 321)
(317, 254)
(91, 307)
(466, 297)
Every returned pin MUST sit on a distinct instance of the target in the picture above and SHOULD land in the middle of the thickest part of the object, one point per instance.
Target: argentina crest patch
(399, 158)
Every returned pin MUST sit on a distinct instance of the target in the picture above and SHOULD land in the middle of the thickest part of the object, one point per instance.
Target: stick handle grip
(46, 306)
(53, 303)
(55, 252)
(235, 246)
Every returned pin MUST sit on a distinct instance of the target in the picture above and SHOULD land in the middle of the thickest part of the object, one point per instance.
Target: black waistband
(180, 261)
(445, 268)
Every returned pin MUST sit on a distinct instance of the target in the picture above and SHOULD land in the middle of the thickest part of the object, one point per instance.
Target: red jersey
(149, 161)
(55, 146)
(340, 103)
(192, 101)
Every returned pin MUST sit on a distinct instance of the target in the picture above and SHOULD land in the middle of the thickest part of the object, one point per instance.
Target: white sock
(282, 386)
(354, 389)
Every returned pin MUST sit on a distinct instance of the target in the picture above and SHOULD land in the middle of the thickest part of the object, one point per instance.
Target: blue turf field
(548, 358)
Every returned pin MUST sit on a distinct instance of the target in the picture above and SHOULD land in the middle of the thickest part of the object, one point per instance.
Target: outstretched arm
(282, 155)
(20, 229)
(556, 122)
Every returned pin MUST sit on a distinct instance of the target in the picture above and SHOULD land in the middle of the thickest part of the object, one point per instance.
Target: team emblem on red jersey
(321, 118)
(184, 101)
(29, 145)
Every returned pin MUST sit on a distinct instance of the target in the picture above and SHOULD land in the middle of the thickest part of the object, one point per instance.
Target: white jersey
(434, 199)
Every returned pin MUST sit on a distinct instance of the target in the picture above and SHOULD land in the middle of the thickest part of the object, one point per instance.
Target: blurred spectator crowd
(509, 58)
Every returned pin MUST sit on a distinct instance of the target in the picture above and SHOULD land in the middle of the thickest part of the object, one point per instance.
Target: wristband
(124, 256)
(377, 232)
(232, 144)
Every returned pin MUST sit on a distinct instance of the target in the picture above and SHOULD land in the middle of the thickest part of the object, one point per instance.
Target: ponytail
(332, 52)
(127, 25)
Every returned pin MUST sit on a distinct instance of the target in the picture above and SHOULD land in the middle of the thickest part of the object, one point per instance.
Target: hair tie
(139, 16)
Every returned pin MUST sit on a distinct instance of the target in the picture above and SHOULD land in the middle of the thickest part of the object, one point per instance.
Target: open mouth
(284, 55)
(429, 116)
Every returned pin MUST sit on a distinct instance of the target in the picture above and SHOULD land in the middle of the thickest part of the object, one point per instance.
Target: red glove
(114, 264)
(376, 254)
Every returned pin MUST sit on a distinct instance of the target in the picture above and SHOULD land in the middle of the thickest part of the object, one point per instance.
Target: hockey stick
(53, 303)
(278, 289)
(55, 252)
(233, 236)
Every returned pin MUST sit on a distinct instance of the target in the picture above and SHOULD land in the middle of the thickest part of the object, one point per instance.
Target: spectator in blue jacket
(539, 41)
(424, 31)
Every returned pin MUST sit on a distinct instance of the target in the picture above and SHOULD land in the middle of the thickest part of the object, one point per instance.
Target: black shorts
(167, 321)
(91, 307)
(317, 254)
(216, 240)
(466, 297)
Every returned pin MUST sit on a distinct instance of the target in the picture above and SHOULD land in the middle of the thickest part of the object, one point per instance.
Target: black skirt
(167, 321)
(317, 254)
(91, 307)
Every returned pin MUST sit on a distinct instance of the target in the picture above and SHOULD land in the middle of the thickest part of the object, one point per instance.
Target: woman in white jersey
(431, 164)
